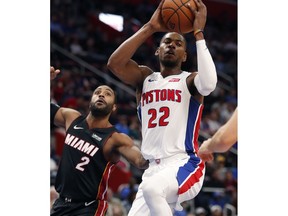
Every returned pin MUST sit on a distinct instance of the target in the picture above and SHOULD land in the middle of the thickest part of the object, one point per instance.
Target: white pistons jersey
(170, 116)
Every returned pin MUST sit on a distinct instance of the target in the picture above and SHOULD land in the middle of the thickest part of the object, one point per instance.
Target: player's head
(172, 50)
(103, 101)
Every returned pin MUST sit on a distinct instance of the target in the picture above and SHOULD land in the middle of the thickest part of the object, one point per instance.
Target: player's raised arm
(120, 62)
(60, 116)
(206, 79)
(53, 72)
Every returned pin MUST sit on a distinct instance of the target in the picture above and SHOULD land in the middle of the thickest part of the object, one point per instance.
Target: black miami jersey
(83, 171)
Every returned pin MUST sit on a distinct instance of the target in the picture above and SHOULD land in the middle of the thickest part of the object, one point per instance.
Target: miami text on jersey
(81, 145)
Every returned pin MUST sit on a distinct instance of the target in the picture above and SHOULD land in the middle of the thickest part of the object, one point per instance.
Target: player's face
(172, 50)
(103, 101)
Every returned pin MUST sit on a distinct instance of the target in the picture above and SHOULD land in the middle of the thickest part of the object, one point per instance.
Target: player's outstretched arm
(129, 150)
(222, 140)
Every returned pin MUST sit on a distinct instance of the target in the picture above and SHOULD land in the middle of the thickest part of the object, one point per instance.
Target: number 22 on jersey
(164, 113)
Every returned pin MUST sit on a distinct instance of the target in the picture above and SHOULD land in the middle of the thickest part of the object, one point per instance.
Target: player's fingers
(194, 10)
(160, 4)
(199, 4)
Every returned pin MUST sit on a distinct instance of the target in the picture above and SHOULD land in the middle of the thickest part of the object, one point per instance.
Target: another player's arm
(60, 116)
(120, 62)
(225, 136)
(126, 147)
(222, 140)
(63, 117)
(206, 79)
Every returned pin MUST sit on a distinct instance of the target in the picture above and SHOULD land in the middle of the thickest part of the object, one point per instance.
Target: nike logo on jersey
(151, 80)
(77, 128)
(89, 203)
(96, 137)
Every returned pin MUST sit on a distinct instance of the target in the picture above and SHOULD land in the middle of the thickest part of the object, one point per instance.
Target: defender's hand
(53, 72)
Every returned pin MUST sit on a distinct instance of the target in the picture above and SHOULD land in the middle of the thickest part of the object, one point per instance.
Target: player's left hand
(53, 72)
(200, 14)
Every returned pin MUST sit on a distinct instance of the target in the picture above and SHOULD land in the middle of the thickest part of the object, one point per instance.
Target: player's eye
(179, 43)
(167, 41)
(97, 92)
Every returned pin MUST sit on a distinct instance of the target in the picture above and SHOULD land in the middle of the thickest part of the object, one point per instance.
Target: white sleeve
(206, 79)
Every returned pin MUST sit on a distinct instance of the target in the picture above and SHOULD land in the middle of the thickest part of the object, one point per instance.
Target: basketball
(177, 16)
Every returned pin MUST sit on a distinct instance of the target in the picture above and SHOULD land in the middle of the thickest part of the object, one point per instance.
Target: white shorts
(175, 180)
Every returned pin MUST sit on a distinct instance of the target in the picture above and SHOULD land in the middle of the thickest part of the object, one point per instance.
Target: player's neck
(170, 71)
(98, 122)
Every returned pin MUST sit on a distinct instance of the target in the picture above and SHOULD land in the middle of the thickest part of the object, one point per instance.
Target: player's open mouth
(170, 52)
(100, 101)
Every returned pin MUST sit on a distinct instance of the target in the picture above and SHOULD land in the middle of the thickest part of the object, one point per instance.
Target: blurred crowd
(75, 28)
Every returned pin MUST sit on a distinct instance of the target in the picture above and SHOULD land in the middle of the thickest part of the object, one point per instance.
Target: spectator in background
(200, 211)
(134, 129)
(216, 210)
(122, 125)
(115, 207)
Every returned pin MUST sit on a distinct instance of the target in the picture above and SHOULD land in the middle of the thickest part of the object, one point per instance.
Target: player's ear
(157, 52)
(114, 108)
(184, 57)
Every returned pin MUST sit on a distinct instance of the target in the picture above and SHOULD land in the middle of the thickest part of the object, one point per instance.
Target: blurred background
(82, 37)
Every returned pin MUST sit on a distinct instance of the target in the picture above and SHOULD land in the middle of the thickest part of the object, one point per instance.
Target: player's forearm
(222, 140)
(206, 79)
(142, 163)
(139, 161)
(217, 143)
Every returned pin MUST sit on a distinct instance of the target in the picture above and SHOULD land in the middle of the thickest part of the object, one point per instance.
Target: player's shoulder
(189, 76)
(117, 135)
(69, 114)
(145, 70)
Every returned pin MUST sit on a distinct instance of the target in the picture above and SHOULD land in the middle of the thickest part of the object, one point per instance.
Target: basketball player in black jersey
(92, 147)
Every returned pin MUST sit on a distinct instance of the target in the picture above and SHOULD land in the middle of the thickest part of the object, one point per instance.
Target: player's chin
(169, 61)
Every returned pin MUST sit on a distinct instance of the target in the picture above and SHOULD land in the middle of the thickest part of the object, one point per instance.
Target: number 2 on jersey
(80, 165)
(164, 113)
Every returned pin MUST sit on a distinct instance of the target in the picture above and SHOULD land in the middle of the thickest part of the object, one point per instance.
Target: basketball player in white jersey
(170, 107)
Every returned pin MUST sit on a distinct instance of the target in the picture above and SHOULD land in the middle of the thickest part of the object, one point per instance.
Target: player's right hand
(156, 22)
(204, 153)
